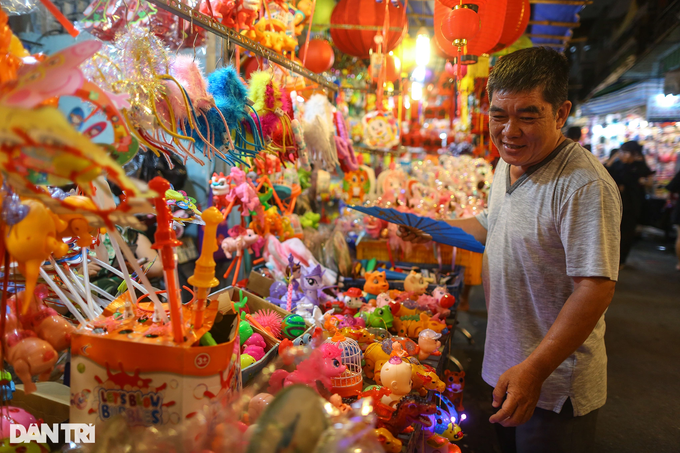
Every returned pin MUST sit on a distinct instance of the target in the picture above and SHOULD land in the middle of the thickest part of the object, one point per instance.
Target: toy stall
(200, 208)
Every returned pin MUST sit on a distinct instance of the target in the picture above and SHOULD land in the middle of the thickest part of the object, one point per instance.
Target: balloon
(322, 14)
(320, 57)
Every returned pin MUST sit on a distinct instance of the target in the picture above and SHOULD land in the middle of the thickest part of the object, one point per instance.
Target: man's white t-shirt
(559, 220)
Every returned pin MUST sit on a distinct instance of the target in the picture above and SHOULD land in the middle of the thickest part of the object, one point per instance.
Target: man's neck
(517, 171)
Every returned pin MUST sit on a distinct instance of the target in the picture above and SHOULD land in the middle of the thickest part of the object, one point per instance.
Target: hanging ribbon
(309, 32)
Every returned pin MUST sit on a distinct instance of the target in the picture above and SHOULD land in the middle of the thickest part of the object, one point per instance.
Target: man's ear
(563, 114)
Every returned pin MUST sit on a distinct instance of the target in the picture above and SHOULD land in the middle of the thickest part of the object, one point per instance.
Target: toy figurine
(410, 410)
(411, 326)
(361, 336)
(425, 378)
(380, 317)
(220, 188)
(324, 363)
(336, 400)
(31, 241)
(29, 355)
(246, 13)
(383, 300)
(376, 283)
(255, 346)
(429, 344)
(311, 285)
(389, 443)
(396, 376)
(455, 383)
(415, 283)
(353, 299)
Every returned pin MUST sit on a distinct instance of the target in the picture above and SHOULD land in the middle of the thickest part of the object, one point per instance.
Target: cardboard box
(49, 403)
(141, 373)
(255, 303)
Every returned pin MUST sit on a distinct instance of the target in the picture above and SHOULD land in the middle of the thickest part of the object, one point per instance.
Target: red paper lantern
(460, 25)
(516, 20)
(320, 56)
(249, 65)
(491, 17)
(358, 43)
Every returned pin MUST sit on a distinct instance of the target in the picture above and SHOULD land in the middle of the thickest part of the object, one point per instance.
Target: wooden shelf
(211, 25)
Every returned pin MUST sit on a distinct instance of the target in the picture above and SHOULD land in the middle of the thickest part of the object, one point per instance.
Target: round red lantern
(359, 43)
(461, 24)
(516, 20)
(320, 56)
(249, 65)
(491, 20)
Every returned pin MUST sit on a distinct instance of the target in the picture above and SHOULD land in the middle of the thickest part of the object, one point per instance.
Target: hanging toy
(274, 106)
(380, 130)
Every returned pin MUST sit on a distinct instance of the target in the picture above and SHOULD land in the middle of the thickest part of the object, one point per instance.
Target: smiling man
(551, 262)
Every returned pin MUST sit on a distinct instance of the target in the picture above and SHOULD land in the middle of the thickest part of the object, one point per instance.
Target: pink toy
(256, 340)
(256, 352)
(29, 355)
(244, 190)
(10, 415)
(44, 321)
(324, 363)
(58, 75)
(257, 405)
(239, 240)
(383, 300)
(186, 71)
(431, 304)
(270, 320)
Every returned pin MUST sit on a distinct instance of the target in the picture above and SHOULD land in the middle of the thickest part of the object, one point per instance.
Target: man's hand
(521, 388)
(412, 234)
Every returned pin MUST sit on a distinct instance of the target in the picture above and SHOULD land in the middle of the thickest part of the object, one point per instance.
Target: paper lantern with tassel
(492, 17)
(359, 43)
(461, 24)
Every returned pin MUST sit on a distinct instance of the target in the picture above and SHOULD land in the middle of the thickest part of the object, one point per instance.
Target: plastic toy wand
(204, 271)
(165, 243)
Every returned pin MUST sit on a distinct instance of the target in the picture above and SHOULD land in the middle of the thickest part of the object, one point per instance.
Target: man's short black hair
(526, 69)
(574, 133)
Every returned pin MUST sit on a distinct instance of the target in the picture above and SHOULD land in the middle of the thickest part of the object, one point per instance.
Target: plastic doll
(396, 376)
(429, 344)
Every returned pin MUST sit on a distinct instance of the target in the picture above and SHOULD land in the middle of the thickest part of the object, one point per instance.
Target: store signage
(80, 433)
(663, 108)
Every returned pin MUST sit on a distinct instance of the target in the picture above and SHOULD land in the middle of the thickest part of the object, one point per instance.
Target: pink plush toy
(324, 363)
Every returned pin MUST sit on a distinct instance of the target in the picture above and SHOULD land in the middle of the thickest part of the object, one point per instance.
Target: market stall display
(282, 327)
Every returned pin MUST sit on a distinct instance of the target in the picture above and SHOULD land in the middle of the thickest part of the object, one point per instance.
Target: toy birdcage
(350, 381)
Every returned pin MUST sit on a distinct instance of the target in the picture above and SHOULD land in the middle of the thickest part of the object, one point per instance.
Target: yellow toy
(32, 240)
(76, 225)
(411, 328)
(56, 149)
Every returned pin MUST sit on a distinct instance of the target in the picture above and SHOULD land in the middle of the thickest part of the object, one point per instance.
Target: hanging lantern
(320, 56)
(491, 19)
(516, 20)
(461, 24)
(359, 43)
